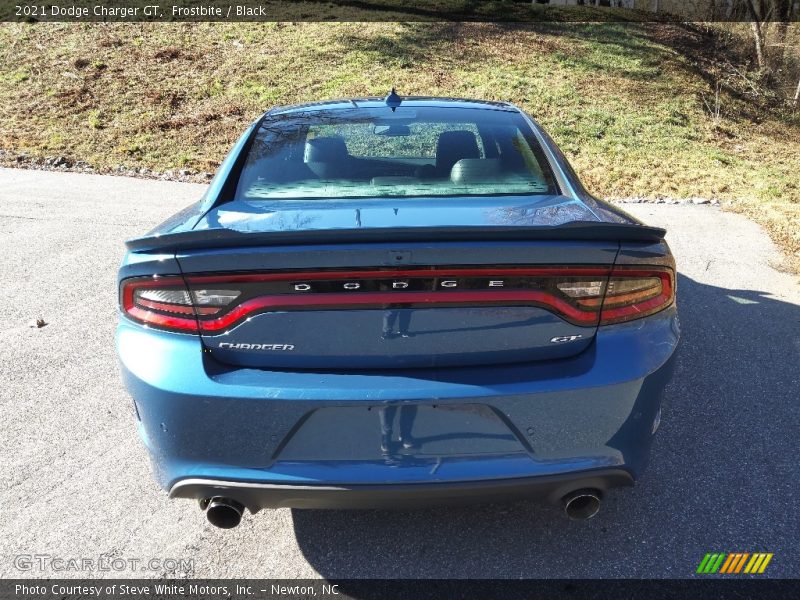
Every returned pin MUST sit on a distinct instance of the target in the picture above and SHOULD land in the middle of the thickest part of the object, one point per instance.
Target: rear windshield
(374, 152)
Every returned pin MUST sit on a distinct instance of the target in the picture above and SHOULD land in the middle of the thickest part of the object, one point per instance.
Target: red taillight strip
(275, 302)
(161, 320)
(384, 299)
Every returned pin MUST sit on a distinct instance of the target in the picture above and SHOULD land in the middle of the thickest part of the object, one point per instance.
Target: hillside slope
(630, 104)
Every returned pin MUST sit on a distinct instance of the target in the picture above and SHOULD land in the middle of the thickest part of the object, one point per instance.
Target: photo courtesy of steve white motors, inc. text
(162, 589)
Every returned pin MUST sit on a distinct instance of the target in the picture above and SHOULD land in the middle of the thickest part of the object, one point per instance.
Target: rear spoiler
(227, 238)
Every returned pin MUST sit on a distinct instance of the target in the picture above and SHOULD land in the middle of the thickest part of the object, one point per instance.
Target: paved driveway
(75, 480)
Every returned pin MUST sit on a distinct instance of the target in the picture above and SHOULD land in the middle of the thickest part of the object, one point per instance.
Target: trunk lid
(362, 285)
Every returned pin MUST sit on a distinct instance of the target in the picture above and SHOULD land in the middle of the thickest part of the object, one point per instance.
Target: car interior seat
(469, 170)
(453, 146)
(327, 157)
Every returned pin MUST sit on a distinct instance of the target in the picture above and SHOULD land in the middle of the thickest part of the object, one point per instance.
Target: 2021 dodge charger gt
(395, 302)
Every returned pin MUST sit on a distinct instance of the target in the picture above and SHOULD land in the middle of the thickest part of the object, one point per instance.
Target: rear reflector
(163, 296)
(215, 297)
(212, 304)
(582, 289)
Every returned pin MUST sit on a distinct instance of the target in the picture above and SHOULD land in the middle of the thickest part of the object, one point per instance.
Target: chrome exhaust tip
(582, 504)
(224, 512)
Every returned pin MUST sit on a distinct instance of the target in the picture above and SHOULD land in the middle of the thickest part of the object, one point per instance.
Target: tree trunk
(797, 94)
(758, 38)
(754, 12)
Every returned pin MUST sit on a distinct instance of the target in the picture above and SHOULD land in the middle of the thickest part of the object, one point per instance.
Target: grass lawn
(627, 102)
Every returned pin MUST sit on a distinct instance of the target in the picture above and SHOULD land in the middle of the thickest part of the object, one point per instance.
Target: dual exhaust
(226, 513)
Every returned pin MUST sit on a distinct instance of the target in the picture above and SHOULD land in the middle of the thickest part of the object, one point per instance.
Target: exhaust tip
(224, 513)
(582, 504)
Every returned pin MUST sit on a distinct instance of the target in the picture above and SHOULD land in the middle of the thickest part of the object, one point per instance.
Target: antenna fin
(393, 99)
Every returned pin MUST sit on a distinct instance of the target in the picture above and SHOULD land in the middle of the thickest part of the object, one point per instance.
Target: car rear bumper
(310, 439)
(256, 496)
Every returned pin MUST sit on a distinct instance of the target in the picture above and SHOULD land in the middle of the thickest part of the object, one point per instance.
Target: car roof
(407, 101)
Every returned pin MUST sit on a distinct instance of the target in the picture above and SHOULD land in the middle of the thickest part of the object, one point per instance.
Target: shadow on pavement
(723, 468)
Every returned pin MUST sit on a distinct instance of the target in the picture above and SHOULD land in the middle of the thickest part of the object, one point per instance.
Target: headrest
(325, 149)
(469, 170)
(452, 146)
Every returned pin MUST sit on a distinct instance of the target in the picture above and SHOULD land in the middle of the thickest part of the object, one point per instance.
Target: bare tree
(756, 16)
(761, 13)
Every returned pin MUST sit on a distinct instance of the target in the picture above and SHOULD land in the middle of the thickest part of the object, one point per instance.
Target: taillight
(162, 302)
(166, 302)
(634, 293)
(213, 304)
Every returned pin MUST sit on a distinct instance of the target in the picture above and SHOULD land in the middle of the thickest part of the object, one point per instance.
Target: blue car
(394, 302)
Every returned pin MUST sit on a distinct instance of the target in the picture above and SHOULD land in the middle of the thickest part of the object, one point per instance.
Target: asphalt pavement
(75, 482)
